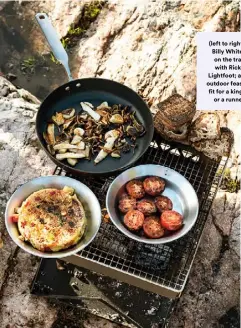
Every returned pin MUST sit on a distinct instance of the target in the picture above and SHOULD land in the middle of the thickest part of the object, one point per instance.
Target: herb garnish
(71, 224)
(62, 220)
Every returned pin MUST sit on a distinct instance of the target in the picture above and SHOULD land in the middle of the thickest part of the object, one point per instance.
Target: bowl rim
(35, 251)
(157, 241)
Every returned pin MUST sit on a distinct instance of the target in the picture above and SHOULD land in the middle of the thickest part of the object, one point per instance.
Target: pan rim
(64, 252)
(129, 234)
(72, 170)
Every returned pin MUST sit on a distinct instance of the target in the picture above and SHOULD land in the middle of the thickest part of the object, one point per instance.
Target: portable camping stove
(159, 269)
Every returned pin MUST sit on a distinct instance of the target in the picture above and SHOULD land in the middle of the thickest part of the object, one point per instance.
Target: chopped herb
(71, 224)
(71, 211)
(62, 220)
(53, 209)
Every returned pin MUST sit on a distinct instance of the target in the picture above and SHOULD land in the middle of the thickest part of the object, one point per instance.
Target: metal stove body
(159, 269)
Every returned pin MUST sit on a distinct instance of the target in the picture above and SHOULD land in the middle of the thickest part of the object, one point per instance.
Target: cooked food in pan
(134, 220)
(146, 210)
(154, 185)
(135, 189)
(146, 206)
(171, 220)
(95, 133)
(127, 203)
(51, 219)
(152, 227)
(163, 203)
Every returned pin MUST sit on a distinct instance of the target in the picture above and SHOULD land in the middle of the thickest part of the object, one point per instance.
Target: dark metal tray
(101, 295)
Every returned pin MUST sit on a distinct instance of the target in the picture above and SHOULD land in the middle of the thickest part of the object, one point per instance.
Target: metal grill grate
(164, 265)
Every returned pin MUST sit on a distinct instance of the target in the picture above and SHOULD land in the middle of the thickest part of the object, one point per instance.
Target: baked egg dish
(51, 219)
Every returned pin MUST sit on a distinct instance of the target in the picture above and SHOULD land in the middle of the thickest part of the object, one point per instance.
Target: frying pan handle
(54, 41)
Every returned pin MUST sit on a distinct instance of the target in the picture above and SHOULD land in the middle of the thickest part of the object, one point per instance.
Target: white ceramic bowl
(86, 196)
(178, 189)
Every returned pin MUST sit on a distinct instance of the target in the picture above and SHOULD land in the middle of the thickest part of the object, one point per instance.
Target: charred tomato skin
(127, 204)
(123, 195)
(135, 189)
(154, 186)
(133, 220)
(146, 206)
(163, 203)
(14, 218)
(152, 227)
(171, 220)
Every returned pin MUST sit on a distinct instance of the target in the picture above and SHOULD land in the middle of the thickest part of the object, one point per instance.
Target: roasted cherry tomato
(135, 189)
(154, 186)
(152, 227)
(127, 204)
(146, 206)
(134, 220)
(171, 220)
(163, 203)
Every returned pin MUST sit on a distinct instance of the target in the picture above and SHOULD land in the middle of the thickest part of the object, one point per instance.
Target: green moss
(29, 65)
(232, 186)
(92, 10)
(53, 59)
(29, 62)
(228, 183)
(89, 14)
(75, 30)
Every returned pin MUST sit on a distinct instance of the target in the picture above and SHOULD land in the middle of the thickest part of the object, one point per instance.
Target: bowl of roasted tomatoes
(152, 204)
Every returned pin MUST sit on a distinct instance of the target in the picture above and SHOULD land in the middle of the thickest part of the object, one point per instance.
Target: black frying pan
(95, 91)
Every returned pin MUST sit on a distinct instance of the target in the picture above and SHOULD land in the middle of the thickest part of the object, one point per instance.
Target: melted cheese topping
(52, 219)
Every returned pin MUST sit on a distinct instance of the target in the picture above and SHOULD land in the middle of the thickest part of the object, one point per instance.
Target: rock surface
(157, 58)
(21, 160)
(213, 286)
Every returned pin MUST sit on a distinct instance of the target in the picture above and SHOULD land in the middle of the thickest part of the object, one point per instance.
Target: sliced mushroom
(76, 139)
(62, 151)
(139, 127)
(115, 154)
(132, 131)
(62, 138)
(69, 146)
(68, 122)
(50, 134)
(68, 113)
(110, 137)
(117, 119)
(83, 116)
(105, 151)
(72, 161)
(81, 145)
(87, 151)
(88, 108)
(79, 132)
(112, 134)
(60, 157)
(58, 118)
(103, 105)
(101, 112)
